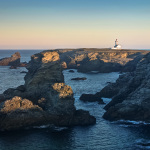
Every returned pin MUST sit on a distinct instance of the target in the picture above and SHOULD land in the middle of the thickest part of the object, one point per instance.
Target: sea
(104, 135)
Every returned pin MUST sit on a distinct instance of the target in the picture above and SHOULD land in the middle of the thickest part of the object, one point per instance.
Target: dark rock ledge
(130, 95)
(91, 98)
(79, 78)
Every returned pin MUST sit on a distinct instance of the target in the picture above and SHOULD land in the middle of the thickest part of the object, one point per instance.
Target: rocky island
(13, 61)
(46, 99)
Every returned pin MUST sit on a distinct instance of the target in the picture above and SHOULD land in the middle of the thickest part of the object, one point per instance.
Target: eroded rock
(48, 99)
(132, 102)
(14, 60)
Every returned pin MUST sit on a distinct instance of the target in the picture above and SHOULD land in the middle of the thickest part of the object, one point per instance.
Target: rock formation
(45, 99)
(72, 71)
(14, 60)
(101, 60)
(79, 78)
(91, 98)
(45, 91)
(17, 113)
(131, 94)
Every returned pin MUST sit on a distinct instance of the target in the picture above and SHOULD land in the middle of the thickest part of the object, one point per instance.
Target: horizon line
(74, 48)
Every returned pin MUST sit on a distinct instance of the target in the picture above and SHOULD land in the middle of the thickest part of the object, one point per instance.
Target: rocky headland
(101, 60)
(130, 94)
(43, 99)
(46, 99)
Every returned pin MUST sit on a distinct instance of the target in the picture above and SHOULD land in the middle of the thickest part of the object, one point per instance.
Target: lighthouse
(117, 46)
(116, 42)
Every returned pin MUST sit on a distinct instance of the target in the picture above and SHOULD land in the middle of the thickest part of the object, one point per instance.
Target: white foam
(42, 127)
(143, 143)
(60, 128)
(132, 122)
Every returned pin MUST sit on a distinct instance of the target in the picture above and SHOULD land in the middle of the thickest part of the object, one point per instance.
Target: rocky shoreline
(45, 99)
(101, 60)
(132, 100)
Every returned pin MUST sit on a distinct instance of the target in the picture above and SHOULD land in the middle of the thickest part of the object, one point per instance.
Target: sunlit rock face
(102, 60)
(132, 101)
(17, 113)
(45, 90)
(14, 60)
(45, 99)
(17, 103)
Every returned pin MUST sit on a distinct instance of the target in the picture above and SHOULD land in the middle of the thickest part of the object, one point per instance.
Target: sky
(50, 24)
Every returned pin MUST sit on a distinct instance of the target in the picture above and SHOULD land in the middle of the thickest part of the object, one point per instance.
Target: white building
(117, 46)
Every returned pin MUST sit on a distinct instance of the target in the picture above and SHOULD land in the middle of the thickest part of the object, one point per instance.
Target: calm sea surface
(104, 135)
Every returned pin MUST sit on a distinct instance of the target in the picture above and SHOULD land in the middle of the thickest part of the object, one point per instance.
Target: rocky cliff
(131, 94)
(102, 60)
(44, 99)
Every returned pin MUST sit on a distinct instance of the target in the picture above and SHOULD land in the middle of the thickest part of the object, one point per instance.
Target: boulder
(13, 67)
(82, 117)
(64, 65)
(71, 71)
(91, 98)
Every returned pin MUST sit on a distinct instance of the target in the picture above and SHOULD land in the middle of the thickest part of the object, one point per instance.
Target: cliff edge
(131, 99)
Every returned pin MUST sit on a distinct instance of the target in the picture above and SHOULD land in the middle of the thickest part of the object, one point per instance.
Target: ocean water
(104, 135)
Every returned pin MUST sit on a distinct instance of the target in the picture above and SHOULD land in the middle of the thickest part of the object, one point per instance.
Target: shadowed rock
(45, 88)
(71, 71)
(79, 78)
(132, 101)
(91, 98)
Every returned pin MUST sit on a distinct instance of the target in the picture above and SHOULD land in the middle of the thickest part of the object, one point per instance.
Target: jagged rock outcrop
(17, 113)
(113, 88)
(14, 60)
(110, 90)
(132, 100)
(45, 88)
(102, 60)
(52, 101)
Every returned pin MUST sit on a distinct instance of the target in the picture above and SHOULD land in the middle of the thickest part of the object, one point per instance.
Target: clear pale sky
(46, 24)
